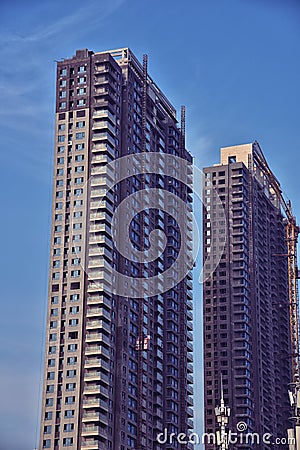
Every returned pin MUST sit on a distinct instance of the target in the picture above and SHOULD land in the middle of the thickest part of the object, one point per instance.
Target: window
(69, 413)
(61, 149)
(48, 415)
(74, 297)
(72, 348)
(75, 273)
(63, 83)
(50, 388)
(56, 252)
(60, 160)
(80, 124)
(62, 94)
(79, 180)
(50, 375)
(71, 373)
(63, 72)
(82, 69)
(61, 138)
(231, 159)
(70, 400)
(53, 337)
(49, 401)
(61, 127)
(79, 147)
(59, 194)
(69, 426)
(81, 102)
(73, 323)
(48, 429)
(47, 443)
(77, 214)
(59, 205)
(81, 91)
(72, 359)
(75, 261)
(80, 135)
(58, 217)
(78, 203)
(68, 442)
(62, 105)
(81, 80)
(80, 114)
(79, 169)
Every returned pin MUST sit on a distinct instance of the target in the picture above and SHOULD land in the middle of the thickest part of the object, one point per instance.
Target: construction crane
(292, 232)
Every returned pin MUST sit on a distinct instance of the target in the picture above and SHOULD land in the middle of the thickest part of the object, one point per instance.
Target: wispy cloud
(94, 12)
(26, 83)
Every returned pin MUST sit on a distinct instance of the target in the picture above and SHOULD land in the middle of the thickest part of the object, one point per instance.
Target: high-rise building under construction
(117, 367)
(247, 339)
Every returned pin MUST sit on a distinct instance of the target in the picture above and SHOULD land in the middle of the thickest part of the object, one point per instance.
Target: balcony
(94, 403)
(104, 113)
(96, 349)
(104, 137)
(96, 376)
(98, 299)
(96, 389)
(90, 337)
(97, 324)
(94, 430)
(100, 125)
(93, 445)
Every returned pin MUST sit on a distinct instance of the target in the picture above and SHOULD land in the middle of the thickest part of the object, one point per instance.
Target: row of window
(63, 71)
(80, 80)
(79, 135)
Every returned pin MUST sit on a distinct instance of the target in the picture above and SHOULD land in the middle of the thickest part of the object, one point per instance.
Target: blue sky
(234, 64)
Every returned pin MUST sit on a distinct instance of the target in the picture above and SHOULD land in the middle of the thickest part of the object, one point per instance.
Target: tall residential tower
(117, 367)
(246, 305)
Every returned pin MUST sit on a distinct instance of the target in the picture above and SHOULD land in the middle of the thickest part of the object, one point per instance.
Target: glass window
(47, 443)
(53, 337)
(69, 426)
(80, 135)
(68, 442)
(81, 102)
(62, 105)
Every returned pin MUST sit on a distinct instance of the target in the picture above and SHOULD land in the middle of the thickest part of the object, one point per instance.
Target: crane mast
(292, 231)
